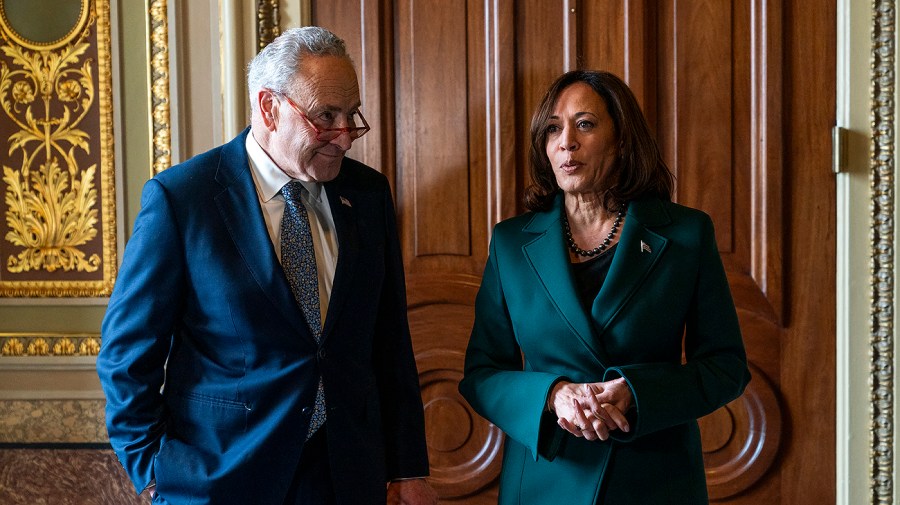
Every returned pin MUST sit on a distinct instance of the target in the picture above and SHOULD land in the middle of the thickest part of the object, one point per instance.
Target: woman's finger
(570, 427)
(592, 427)
(615, 416)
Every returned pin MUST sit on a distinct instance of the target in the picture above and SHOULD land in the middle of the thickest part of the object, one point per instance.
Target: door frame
(866, 239)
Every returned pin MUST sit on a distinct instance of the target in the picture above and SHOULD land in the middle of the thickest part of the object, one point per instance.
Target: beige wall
(853, 249)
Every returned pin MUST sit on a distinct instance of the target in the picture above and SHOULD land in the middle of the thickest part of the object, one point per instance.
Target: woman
(587, 305)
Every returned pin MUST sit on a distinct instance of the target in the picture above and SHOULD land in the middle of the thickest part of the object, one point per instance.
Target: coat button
(321, 354)
(306, 411)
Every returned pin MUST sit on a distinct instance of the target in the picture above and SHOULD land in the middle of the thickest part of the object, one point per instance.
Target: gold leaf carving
(47, 344)
(13, 347)
(51, 210)
(39, 347)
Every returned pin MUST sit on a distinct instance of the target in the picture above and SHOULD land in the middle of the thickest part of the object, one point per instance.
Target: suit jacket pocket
(208, 411)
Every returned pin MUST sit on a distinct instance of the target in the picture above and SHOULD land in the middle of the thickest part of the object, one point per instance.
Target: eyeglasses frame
(350, 131)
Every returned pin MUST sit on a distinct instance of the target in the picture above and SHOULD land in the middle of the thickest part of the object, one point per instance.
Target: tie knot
(292, 190)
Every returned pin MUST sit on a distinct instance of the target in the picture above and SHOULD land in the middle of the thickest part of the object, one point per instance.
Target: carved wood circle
(740, 440)
(463, 448)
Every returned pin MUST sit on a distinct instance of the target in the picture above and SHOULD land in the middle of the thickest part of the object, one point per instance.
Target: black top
(590, 275)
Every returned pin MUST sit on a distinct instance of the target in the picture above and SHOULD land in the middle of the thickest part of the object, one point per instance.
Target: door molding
(882, 252)
(865, 107)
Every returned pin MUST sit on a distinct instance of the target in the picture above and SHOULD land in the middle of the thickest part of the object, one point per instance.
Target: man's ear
(268, 108)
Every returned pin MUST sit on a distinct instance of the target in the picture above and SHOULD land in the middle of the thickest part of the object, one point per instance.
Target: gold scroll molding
(882, 252)
(59, 227)
(267, 22)
(160, 115)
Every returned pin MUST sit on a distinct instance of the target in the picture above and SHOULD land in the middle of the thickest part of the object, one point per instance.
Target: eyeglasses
(329, 134)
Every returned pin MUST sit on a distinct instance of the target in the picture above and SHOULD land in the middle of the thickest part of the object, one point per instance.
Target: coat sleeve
(136, 335)
(715, 368)
(395, 366)
(494, 381)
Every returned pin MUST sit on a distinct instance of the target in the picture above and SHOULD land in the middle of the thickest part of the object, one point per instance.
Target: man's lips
(329, 154)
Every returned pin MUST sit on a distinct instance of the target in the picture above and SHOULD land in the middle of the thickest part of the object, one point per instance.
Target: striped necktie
(298, 258)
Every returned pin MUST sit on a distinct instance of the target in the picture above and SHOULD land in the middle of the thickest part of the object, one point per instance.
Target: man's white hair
(277, 64)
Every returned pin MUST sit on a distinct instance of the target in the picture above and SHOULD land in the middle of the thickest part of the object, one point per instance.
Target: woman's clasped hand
(591, 410)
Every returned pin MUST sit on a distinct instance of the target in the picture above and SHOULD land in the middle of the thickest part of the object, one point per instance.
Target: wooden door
(741, 95)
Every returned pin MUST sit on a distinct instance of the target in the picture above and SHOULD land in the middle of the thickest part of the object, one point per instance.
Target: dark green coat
(666, 282)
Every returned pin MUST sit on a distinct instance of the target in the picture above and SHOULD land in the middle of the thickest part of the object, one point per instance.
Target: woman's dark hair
(641, 170)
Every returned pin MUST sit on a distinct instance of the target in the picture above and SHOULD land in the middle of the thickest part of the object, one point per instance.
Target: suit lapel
(548, 258)
(344, 215)
(639, 249)
(238, 205)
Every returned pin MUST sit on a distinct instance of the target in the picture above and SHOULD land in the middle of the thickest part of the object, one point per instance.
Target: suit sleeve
(395, 366)
(136, 335)
(715, 369)
(494, 382)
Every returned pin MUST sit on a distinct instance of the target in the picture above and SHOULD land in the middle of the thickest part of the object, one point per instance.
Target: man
(256, 348)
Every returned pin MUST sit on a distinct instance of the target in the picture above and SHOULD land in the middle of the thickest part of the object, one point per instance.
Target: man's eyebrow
(335, 108)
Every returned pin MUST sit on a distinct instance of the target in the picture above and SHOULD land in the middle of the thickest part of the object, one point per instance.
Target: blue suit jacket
(209, 368)
(666, 298)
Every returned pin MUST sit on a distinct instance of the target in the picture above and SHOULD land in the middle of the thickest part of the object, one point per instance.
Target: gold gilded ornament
(51, 200)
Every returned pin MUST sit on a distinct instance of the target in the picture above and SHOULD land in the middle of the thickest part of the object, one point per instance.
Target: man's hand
(411, 492)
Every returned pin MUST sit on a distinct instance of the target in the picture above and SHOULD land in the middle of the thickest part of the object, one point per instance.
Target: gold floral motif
(64, 347)
(39, 347)
(13, 347)
(51, 209)
(89, 347)
(46, 344)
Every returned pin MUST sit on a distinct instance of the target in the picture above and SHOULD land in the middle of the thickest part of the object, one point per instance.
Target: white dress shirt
(269, 179)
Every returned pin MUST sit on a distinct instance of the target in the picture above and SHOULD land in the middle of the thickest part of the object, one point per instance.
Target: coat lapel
(239, 207)
(344, 215)
(548, 258)
(639, 249)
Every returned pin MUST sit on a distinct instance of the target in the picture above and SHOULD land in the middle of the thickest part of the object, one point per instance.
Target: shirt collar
(270, 179)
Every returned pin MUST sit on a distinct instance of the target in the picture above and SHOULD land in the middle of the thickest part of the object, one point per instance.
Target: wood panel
(442, 172)
(366, 27)
(698, 113)
(621, 37)
(540, 58)
(807, 347)
(434, 163)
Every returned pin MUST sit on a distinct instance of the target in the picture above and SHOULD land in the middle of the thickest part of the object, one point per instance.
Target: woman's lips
(570, 166)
